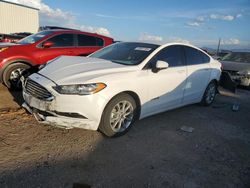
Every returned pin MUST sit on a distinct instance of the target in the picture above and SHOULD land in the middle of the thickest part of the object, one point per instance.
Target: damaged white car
(119, 84)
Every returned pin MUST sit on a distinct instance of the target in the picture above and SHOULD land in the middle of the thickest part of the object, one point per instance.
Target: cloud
(222, 17)
(194, 24)
(238, 15)
(100, 30)
(178, 39)
(145, 37)
(198, 21)
(201, 20)
(150, 38)
(231, 41)
(58, 17)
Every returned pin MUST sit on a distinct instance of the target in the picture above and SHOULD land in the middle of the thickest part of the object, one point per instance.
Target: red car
(41, 47)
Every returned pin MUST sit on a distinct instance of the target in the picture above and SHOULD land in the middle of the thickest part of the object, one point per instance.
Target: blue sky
(198, 22)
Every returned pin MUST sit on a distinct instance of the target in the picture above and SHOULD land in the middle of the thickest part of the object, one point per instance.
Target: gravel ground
(154, 153)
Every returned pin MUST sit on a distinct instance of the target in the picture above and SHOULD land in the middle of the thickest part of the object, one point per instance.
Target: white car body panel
(164, 92)
(182, 85)
(197, 80)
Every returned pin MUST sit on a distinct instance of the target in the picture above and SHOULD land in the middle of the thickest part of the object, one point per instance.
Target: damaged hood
(77, 70)
(235, 66)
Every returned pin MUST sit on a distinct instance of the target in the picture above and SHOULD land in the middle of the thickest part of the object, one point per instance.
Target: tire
(12, 75)
(209, 94)
(114, 116)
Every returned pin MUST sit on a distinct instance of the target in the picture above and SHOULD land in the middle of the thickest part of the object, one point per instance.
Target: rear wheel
(118, 115)
(209, 94)
(12, 75)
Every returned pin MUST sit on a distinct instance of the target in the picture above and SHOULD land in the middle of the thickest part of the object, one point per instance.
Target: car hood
(7, 44)
(77, 70)
(235, 66)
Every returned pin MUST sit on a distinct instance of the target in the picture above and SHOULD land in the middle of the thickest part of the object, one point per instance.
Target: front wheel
(118, 115)
(12, 75)
(209, 94)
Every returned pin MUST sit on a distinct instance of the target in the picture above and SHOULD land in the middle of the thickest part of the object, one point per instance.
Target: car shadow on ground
(17, 96)
(155, 153)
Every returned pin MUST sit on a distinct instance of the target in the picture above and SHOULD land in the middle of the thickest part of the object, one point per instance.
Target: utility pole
(218, 48)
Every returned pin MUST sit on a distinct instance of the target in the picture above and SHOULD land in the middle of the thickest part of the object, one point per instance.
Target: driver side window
(171, 54)
(62, 40)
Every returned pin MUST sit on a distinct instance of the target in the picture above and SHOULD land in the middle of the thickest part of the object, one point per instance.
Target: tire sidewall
(204, 101)
(7, 72)
(105, 120)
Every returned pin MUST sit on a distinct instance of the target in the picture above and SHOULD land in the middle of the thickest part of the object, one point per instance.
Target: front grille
(36, 90)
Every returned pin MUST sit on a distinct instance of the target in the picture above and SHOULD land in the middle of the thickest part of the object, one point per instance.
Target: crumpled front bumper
(230, 80)
(65, 111)
(59, 121)
(243, 80)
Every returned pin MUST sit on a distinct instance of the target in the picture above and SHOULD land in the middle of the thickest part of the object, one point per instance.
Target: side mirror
(160, 65)
(48, 44)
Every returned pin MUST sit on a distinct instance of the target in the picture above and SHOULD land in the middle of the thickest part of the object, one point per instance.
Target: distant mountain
(241, 50)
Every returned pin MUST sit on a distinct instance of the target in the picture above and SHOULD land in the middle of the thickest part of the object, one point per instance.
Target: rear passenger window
(206, 59)
(85, 40)
(62, 40)
(99, 42)
(195, 57)
(172, 54)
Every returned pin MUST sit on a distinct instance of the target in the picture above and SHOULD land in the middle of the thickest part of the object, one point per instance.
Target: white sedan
(119, 84)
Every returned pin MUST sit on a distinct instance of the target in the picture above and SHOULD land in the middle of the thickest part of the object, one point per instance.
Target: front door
(63, 44)
(166, 87)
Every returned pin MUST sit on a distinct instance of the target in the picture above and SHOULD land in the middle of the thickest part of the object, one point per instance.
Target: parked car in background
(220, 54)
(123, 82)
(41, 47)
(13, 37)
(237, 64)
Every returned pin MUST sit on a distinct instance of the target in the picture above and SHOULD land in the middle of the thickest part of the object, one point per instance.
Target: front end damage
(240, 77)
(50, 109)
(231, 79)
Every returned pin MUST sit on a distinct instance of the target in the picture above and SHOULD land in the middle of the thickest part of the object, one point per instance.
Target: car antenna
(218, 48)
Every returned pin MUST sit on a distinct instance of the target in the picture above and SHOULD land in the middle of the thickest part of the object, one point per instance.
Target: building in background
(15, 18)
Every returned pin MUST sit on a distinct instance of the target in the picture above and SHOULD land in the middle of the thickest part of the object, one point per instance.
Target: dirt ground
(154, 153)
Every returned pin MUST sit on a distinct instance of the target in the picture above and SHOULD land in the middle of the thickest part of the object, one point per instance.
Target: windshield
(35, 37)
(241, 57)
(126, 53)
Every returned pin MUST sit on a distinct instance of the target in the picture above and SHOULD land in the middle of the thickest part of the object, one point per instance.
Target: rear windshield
(35, 37)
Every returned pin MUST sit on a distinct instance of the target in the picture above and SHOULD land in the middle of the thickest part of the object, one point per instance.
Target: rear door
(166, 87)
(88, 44)
(63, 45)
(198, 74)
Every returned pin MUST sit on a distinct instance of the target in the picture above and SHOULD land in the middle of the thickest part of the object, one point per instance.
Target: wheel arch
(11, 62)
(137, 101)
(24, 61)
(217, 84)
(134, 95)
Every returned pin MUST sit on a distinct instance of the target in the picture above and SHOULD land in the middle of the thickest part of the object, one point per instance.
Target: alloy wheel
(121, 116)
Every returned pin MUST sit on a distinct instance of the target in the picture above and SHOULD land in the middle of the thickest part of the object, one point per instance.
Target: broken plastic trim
(68, 114)
(44, 113)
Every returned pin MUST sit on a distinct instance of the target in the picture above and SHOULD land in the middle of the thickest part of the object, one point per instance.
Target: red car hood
(7, 44)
